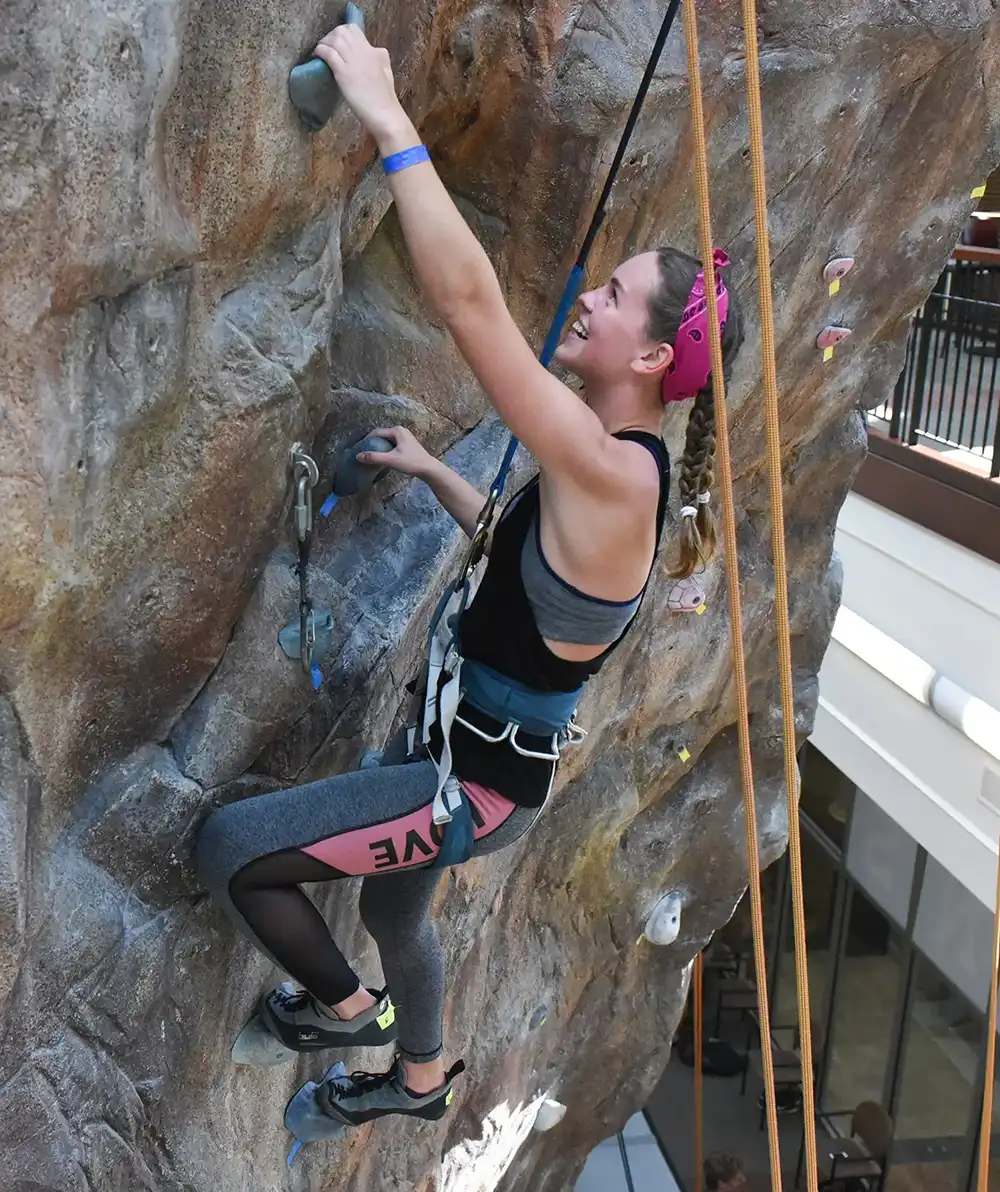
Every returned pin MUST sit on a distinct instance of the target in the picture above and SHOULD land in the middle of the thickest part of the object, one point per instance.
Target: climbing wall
(189, 283)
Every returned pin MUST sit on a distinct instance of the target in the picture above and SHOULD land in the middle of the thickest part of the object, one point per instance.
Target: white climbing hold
(686, 596)
(664, 923)
(550, 1113)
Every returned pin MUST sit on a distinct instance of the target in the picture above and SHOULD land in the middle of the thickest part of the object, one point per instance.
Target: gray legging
(253, 854)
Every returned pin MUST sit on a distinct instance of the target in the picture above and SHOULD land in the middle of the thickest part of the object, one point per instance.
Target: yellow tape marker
(827, 354)
(451, 1093)
(388, 1018)
(701, 608)
(979, 192)
(683, 754)
(835, 286)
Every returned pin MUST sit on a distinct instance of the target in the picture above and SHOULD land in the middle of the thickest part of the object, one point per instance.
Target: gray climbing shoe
(366, 1096)
(289, 1021)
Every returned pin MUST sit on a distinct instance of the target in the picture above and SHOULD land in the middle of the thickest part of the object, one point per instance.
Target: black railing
(947, 393)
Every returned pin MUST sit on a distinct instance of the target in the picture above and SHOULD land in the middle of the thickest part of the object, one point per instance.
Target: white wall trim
(975, 719)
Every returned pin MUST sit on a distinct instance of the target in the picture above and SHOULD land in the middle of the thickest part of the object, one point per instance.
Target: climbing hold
(304, 1118)
(550, 1113)
(351, 477)
(311, 85)
(836, 269)
(664, 922)
(321, 633)
(538, 1018)
(371, 759)
(683, 754)
(829, 337)
(257, 1047)
(686, 596)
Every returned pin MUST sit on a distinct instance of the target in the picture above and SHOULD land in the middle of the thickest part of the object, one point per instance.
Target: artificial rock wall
(188, 283)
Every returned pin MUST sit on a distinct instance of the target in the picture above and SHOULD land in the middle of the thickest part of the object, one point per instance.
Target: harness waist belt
(539, 713)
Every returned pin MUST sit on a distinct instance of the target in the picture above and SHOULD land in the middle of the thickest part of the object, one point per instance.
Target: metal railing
(947, 394)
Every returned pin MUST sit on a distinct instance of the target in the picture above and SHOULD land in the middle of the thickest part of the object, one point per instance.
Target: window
(827, 795)
(864, 1008)
(820, 882)
(934, 1102)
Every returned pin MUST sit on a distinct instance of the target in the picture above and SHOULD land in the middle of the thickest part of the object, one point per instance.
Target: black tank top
(499, 628)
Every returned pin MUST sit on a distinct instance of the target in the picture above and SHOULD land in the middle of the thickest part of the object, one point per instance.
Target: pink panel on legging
(405, 841)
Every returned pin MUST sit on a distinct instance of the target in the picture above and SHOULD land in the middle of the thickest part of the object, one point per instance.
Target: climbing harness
(448, 677)
(308, 636)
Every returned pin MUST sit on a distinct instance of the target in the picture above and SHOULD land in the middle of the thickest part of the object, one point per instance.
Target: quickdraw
(308, 636)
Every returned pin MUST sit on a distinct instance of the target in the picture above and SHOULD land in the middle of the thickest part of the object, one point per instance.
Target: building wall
(915, 604)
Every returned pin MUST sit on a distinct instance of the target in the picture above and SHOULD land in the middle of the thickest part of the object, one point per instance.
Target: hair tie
(704, 498)
(689, 511)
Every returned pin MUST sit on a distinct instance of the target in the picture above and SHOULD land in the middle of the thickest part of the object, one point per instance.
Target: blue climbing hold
(328, 505)
(317, 677)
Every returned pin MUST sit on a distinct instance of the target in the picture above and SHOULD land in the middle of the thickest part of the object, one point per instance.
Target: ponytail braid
(697, 534)
(678, 271)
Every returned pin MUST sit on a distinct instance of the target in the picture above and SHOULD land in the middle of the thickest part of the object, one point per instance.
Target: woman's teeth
(578, 329)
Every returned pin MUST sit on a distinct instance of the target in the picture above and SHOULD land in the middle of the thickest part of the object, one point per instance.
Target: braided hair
(678, 272)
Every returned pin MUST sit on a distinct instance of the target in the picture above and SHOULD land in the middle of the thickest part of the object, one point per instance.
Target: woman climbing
(570, 559)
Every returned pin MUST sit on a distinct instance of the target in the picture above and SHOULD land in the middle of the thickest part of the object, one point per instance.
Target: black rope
(625, 1163)
(633, 119)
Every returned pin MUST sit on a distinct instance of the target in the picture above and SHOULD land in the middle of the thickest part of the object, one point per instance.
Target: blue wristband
(406, 157)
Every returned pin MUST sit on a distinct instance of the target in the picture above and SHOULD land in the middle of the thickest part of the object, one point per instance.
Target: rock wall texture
(189, 283)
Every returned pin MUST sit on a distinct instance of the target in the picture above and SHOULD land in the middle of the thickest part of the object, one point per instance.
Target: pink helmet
(692, 363)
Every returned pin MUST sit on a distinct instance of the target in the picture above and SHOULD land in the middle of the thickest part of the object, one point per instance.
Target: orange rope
(772, 432)
(986, 1125)
(733, 581)
(699, 1128)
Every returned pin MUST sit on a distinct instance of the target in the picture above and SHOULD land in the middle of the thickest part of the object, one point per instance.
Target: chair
(860, 1156)
(734, 993)
(787, 1064)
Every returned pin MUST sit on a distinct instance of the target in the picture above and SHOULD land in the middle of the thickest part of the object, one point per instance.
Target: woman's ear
(655, 362)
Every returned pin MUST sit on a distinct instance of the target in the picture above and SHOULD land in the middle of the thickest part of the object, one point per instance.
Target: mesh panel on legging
(286, 921)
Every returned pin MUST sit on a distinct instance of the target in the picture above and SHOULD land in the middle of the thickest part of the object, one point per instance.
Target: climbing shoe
(289, 1021)
(366, 1096)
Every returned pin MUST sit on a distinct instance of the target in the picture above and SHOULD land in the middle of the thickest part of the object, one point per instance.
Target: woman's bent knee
(211, 850)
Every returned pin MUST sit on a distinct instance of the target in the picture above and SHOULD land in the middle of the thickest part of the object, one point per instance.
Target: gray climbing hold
(351, 477)
(311, 85)
(303, 1116)
(290, 638)
(256, 1047)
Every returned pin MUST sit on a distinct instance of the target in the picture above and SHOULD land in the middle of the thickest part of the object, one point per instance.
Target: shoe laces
(362, 1083)
(293, 1000)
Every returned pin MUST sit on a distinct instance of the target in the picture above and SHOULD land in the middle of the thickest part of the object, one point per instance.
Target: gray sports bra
(564, 613)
